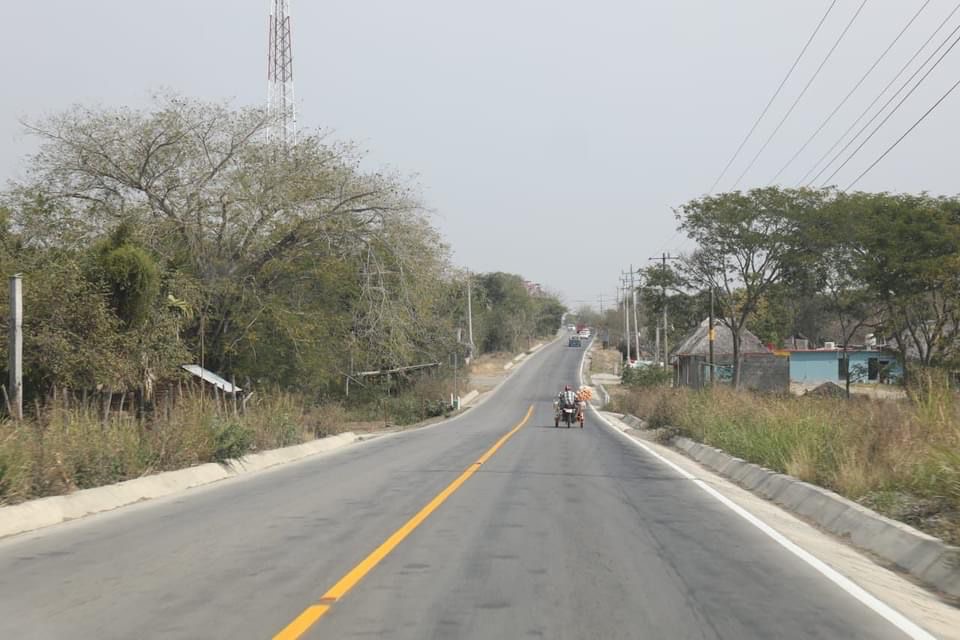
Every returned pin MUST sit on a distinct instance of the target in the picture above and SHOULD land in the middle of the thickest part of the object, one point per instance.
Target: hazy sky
(551, 137)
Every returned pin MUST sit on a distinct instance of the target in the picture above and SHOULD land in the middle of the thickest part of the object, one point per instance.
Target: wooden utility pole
(15, 347)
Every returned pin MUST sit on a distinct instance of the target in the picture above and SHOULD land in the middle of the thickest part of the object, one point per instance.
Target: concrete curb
(470, 397)
(603, 398)
(926, 558)
(45, 512)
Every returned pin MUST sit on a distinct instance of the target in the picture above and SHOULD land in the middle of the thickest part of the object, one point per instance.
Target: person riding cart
(568, 407)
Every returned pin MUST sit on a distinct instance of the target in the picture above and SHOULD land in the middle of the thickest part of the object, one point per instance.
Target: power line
(803, 180)
(772, 98)
(906, 133)
(852, 91)
(802, 93)
(895, 108)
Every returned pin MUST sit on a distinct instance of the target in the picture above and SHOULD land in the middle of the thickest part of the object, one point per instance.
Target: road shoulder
(911, 600)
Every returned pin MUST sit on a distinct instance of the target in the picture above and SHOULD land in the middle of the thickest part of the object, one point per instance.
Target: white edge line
(884, 610)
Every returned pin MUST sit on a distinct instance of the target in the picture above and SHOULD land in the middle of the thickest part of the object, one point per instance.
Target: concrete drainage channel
(45, 512)
(928, 559)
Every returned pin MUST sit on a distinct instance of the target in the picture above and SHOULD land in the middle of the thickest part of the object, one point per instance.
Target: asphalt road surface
(560, 533)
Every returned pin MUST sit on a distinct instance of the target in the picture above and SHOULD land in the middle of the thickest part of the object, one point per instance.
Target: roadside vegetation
(817, 264)
(805, 267)
(901, 458)
(183, 233)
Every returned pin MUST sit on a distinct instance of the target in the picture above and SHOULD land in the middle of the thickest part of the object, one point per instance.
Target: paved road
(561, 534)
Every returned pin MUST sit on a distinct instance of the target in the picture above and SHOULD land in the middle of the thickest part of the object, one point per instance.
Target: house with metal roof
(868, 365)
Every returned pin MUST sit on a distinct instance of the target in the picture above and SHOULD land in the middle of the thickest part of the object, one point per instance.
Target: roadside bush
(231, 439)
(70, 447)
(651, 376)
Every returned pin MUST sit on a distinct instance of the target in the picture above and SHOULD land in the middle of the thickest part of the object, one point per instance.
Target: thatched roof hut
(698, 342)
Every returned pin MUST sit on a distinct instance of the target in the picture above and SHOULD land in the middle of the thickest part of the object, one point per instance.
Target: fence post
(15, 347)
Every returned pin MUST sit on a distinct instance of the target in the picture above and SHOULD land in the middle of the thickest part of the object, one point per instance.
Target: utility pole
(470, 315)
(626, 310)
(15, 348)
(663, 260)
(636, 321)
(455, 400)
(626, 318)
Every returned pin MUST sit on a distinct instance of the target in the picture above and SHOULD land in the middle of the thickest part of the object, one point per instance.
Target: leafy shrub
(646, 376)
(436, 408)
(231, 439)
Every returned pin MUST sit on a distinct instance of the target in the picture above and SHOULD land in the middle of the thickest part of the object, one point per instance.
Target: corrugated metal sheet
(211, 378)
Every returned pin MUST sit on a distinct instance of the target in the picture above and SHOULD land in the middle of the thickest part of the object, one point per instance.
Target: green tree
(130, 274)
(747, 244)
(904, 251)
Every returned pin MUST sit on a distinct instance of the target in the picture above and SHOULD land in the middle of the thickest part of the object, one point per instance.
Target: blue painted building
(829, 365)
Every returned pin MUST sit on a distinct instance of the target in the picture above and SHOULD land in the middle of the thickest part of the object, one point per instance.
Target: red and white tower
(280, 98)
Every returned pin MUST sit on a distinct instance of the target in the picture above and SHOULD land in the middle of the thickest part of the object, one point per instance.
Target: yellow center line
(314, 612)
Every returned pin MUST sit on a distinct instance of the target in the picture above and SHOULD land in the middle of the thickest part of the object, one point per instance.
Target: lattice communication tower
(280, 98)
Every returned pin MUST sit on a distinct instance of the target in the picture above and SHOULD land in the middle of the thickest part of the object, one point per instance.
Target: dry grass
(68, 444)
(67, 447)
(900, 457)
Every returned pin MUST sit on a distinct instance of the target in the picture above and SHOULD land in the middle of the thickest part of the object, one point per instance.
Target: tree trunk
(736, 356)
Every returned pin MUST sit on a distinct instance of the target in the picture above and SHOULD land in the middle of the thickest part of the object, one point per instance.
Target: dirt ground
(875, 391)
(606, 361)
(487, 371)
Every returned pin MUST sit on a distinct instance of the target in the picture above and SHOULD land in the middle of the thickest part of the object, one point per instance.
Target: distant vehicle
(571, 327)
(574, 342)
(585, 333)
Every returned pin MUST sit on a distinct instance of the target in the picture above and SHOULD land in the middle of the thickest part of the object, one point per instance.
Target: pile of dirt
(827, 390)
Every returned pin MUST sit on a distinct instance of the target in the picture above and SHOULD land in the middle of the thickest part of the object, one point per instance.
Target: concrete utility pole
(15, 348)
(626, 309)
(636, 320)
(626, 321)
(455, 398)
(666, 349)
(470, 315)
